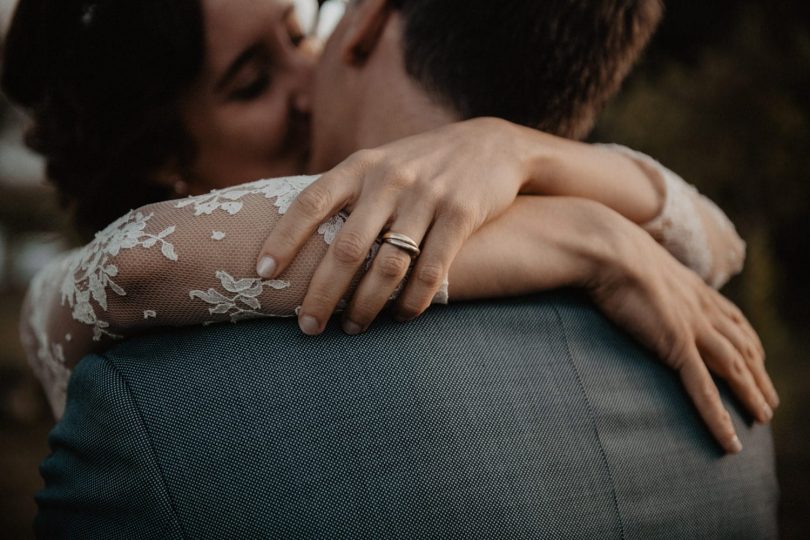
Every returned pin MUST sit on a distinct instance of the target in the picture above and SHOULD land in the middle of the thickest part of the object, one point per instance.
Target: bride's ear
(369, 18)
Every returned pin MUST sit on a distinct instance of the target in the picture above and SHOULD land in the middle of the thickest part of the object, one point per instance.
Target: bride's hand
(692, 327)
(436, 188)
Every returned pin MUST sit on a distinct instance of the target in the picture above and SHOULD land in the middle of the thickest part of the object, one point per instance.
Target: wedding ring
(403, 242)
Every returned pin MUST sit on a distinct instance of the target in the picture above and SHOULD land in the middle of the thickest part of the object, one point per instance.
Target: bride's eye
(254, 89)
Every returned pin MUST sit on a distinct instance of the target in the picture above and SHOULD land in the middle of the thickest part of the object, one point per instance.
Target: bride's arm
(686, 223)
(549, 242)
(191, 261)
(440, 186)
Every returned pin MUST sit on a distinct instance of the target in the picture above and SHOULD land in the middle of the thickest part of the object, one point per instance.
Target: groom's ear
(368, 21)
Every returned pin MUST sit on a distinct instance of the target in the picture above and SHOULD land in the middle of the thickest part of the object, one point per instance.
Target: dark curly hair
(102, 81)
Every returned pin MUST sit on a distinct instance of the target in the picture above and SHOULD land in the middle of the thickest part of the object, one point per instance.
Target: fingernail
(309, 325)
(767, 413)
(266, 267)
(736, 445)
(352, 328)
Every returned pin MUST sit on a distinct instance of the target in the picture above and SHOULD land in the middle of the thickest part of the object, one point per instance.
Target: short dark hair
(548, 64)
(102, 81)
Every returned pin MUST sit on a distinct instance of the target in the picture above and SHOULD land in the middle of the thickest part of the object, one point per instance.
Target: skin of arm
(440, 186)
(562, 167)
(540, 243)
(631, 187)
(692, 328)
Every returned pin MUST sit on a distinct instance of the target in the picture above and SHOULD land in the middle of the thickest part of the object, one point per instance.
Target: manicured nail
(266, 267)
(352, 328)
(736, 445)
(767, 413)
(309, 325)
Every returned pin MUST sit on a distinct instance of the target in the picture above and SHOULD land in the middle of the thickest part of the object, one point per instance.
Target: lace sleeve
(173, 263)
(691, 226)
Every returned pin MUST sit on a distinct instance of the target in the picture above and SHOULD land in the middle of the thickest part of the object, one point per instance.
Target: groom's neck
(385, 104)
(397, 108)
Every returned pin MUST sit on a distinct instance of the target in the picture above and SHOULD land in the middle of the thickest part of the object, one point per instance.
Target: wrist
(588, 238)
(543, 157)
(611, 250)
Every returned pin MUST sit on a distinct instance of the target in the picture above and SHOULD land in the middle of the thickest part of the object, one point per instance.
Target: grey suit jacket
(524, 418)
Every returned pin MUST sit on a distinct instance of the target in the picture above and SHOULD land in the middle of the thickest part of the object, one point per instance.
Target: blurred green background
(722, 97)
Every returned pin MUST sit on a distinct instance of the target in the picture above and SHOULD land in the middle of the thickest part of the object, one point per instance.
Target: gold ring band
(403, 242)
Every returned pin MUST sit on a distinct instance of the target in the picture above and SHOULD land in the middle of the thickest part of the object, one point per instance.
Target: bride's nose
(302, 67)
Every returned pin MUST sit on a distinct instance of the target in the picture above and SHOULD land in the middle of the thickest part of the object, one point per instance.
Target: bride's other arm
(440, 186)
(686, 223)
(190, 262)
(548, 242)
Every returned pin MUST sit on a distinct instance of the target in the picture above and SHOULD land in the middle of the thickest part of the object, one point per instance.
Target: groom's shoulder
(573, 412)
(524, 325)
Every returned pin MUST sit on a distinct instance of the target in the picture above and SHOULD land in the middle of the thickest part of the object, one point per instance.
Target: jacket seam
(153, 453)
(594, 423)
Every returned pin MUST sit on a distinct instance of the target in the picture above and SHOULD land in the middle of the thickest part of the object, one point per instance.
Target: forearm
(690, 226)
(562, 167)
(540, 243)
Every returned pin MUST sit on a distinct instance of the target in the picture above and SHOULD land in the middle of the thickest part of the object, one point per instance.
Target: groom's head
(549, 64)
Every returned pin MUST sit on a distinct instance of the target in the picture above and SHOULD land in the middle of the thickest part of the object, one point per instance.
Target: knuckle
(399, 179)
(678, 347)
(349, 248)
(430, 275)
(736, 315)
(314, 201)
(756, 358)
(392, 265)
(364, 158)
(708, 393)
(280, 243)
(317, 302)
(458, 214)
(726, 425)
(737, 368)
(410, 308)
(362, 313)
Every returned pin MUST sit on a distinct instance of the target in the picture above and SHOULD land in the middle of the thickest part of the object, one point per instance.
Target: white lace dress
(192, 261)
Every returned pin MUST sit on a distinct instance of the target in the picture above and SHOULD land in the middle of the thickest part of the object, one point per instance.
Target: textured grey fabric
(528, 418)
(671, 479)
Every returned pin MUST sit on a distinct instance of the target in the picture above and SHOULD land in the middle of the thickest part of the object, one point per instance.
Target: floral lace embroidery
(283, 190)
(228, 200)
(48, 359)
(244, 302)
(90, 272)
(332, 226)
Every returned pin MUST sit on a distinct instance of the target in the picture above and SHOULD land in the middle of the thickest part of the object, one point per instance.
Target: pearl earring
(181, 188)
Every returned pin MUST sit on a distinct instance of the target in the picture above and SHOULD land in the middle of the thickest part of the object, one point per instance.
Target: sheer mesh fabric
(173, 263)
(192, 261)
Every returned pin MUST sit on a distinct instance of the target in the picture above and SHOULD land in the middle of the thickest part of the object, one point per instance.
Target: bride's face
(248, 114)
